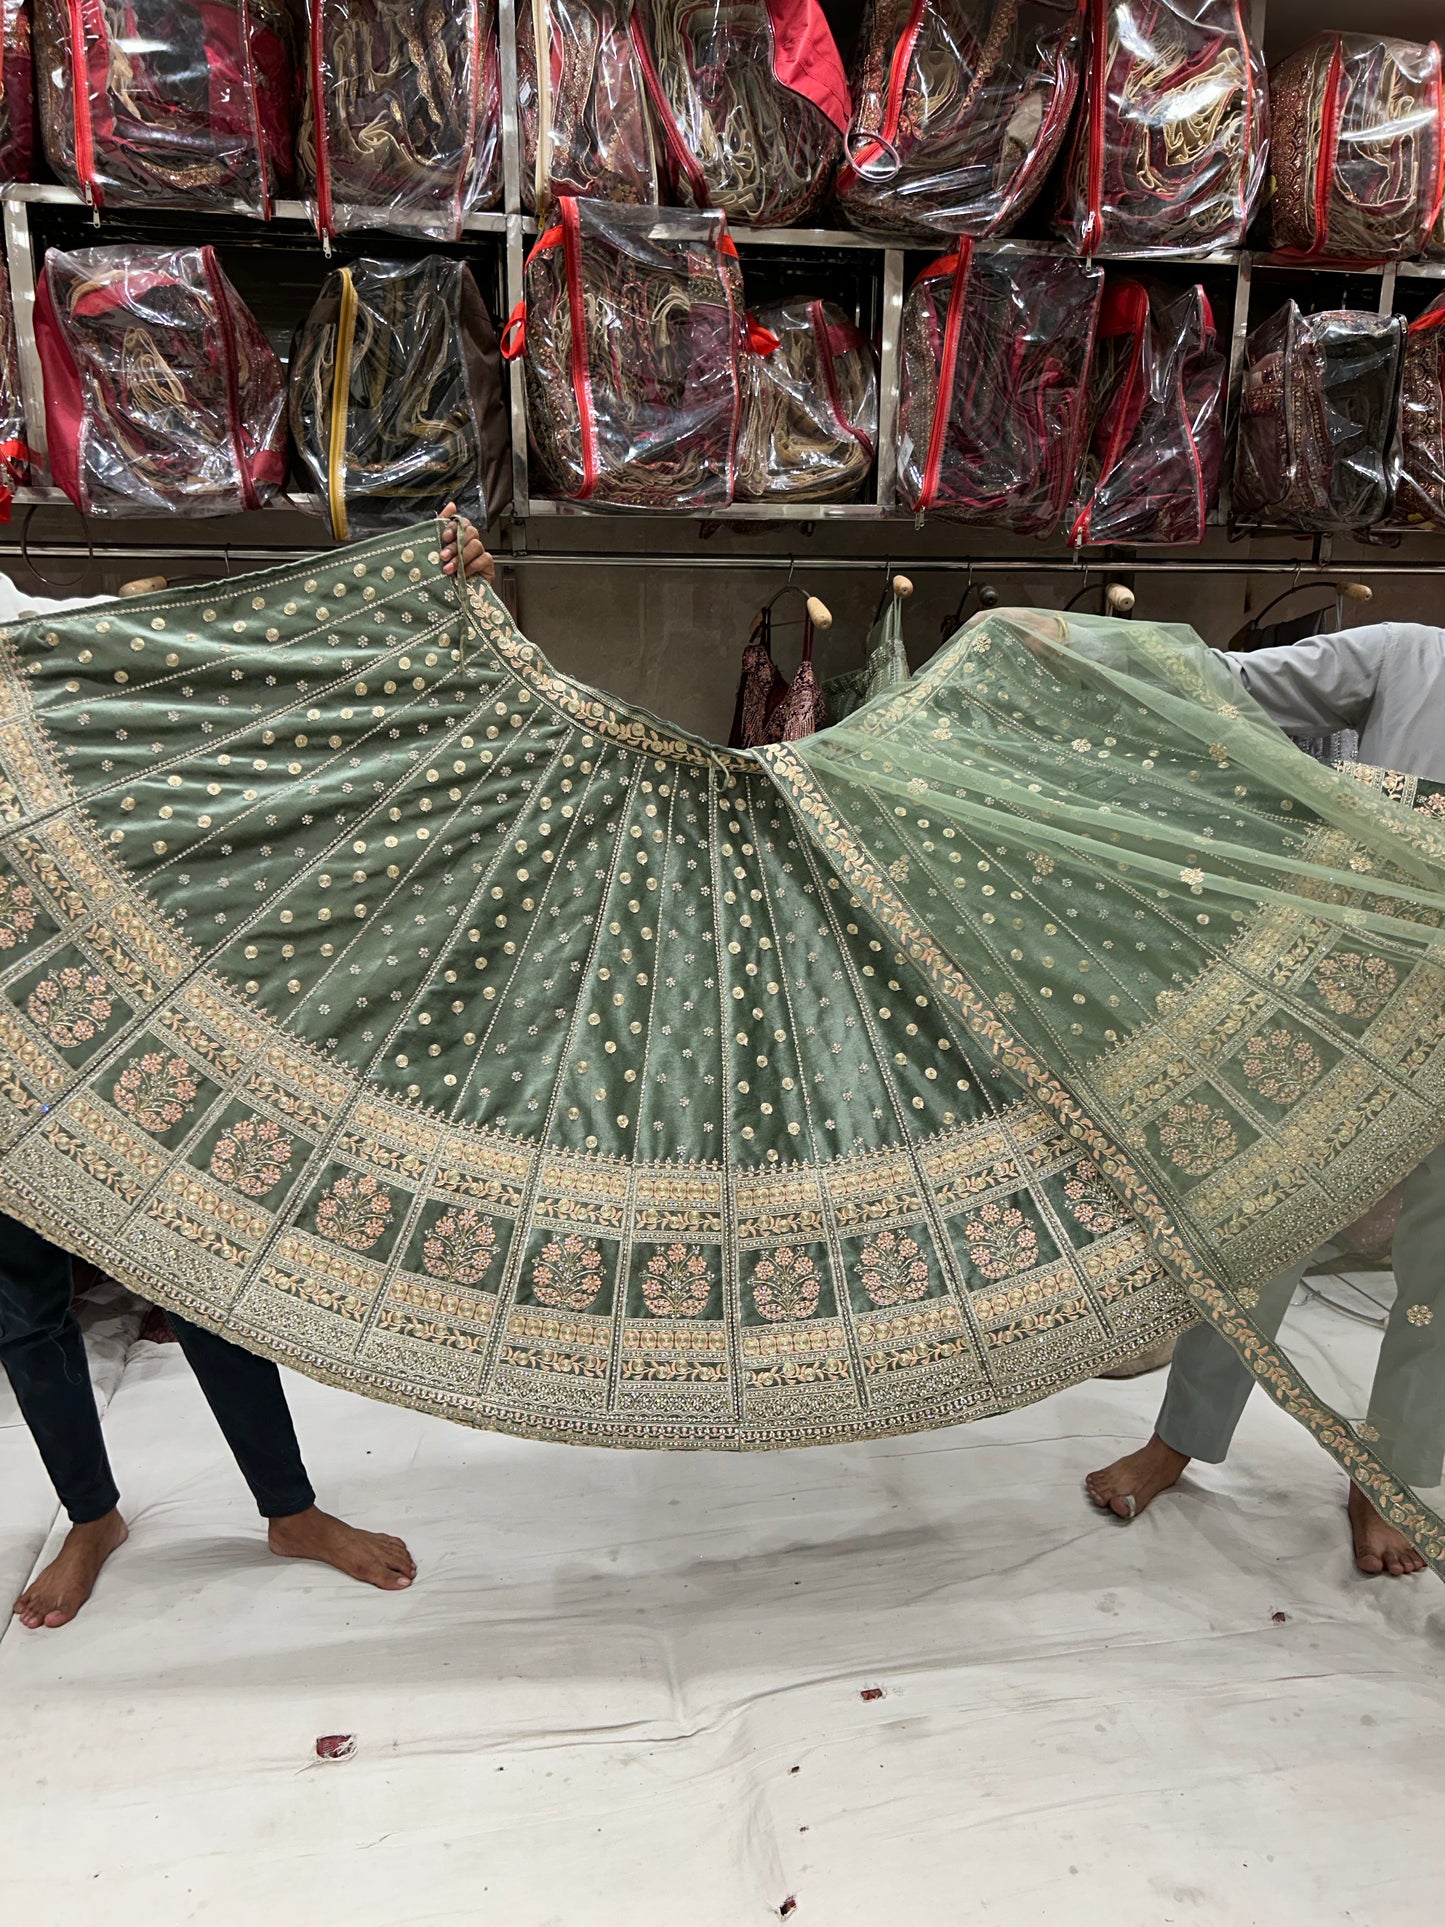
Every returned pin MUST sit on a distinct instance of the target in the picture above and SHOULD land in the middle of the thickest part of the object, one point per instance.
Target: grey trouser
(1209, 1383)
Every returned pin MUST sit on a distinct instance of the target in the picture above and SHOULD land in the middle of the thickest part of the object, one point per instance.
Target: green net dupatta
(428, 1021)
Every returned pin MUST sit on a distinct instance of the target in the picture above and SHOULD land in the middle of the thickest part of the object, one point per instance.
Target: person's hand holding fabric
(475, 558)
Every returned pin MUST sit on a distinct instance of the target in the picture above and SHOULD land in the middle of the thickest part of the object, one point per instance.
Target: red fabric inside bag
(806, 58)
(64, 406)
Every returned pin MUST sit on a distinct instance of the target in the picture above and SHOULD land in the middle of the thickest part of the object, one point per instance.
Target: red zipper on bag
(1098, 81)
(682, 155)
(830, 378)
(893, 100)
(248, 58)
(739, 326)
(1439, 198)
(581, 374)
(1329, 149)
(952, 328)
(512, 345)
(318, 124)
(1117, 434)
(228, 358)
(1246, 158)
(80, 104)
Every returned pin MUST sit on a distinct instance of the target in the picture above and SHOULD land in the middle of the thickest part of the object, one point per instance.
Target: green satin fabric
(424, 1019)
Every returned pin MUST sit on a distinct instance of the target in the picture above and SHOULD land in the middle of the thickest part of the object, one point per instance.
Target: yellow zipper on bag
(340, 397)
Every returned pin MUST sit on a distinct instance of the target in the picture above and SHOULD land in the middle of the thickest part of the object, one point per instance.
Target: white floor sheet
(916, 1682)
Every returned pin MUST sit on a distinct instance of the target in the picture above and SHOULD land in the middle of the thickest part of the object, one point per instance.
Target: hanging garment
(186, 103)
(1420, 492)
(1317, 420)
(1358, 146)
(996, 354)
(17, 92)
(15, 457)
(633, 329)
(960, 107)
(1170, 142)
(410, 130)
(885, 1140)
(809, 406)
(885, 665)
(587, 126)
(1154, 439)
(752, 101)
(395, 396)
(770, 708)
(162, 395)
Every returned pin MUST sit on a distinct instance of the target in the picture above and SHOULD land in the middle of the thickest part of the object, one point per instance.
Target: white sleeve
(15, 607)
(1321, 683)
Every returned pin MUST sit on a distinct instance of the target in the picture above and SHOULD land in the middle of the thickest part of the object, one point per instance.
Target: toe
(59, 1616)
(1370, 1562)
(1120, 1507)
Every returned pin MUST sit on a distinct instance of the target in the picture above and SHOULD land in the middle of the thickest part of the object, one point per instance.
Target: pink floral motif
(676, 1283)
(1092, 1203)
(156, 1090)
(460, 1247)
(71, 1006)
(254, 1155)
(567, 1273)
(1356, 986)
(17, 913)
(1282, 1066)
(1196, 1137)
(894, 1269)
(354, 1212)
(786, 1285)
(1433, 805)
(1001, 1241)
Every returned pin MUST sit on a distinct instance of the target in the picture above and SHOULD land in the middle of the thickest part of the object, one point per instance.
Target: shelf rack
(558, 523)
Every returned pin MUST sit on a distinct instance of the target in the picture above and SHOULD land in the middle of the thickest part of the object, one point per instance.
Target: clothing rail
(754, 564)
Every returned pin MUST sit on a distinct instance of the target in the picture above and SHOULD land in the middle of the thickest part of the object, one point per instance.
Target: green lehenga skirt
(430, 1022)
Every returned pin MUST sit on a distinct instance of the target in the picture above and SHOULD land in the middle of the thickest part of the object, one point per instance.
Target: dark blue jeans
(43, 1354)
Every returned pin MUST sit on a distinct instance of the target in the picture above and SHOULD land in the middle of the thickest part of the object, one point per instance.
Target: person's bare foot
(55, 1596)
(1126, 1487)
(1379, 1546)
(375, 1558)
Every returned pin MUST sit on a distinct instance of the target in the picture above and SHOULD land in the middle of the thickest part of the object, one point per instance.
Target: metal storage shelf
(511, 227)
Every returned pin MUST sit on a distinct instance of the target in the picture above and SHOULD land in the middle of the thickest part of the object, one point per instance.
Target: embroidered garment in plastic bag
(1420, 491)
(17, 92)
(1317, 420)
(410, 130)
(14, 450)
(1169, 144)
(1155, 437)
(633, 328)
(995, 367)
(752, 102)
(162, 395)
(181, 102)
(960, 107)
(587, 123)
(810, 406)
(395, 390)
(1358, 147)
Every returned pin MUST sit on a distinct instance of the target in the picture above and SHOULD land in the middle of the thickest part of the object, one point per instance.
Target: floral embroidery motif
(1196, 1137)
(354, 1212)
(567, 1273)
(676, 1283)
(1369, 1433)
(894, 1269)
(460, 1248)
(1092, 1203)
(1355, 986)
(1282, 1066)
(786, 1285)
(1433, 805)
(254, 1155)
(1420, 1315)
(1001, 1241)
(71, 1006)
(17, 913)
(156, 1090)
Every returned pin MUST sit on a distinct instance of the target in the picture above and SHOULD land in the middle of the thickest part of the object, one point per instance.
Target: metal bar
(748, 564)
(515, 263)
(1387, 287)
(1234, 381)
(890, 377)
(20, 260)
